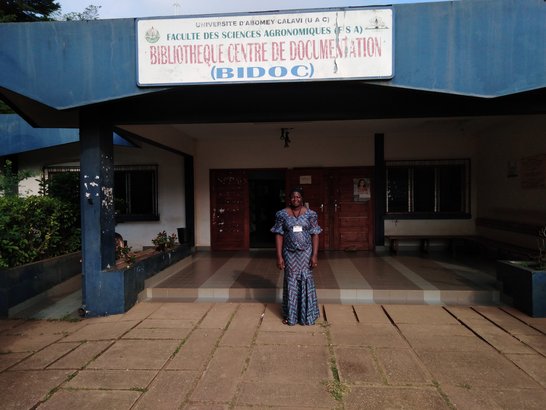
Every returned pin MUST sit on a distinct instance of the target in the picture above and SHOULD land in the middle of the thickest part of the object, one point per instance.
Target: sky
(150, 8)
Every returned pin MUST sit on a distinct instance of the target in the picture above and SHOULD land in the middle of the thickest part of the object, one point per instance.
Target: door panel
(312, 180)
(352, 211)
(229, 210)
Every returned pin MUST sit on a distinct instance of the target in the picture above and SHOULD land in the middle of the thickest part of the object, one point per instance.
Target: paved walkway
(240, 356)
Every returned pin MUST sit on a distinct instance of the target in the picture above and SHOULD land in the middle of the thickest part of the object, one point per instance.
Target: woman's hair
(298, 189)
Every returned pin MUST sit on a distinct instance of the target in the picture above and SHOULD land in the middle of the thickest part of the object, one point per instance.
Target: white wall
(267, 151)
(171, 185)
(439, 139)
(501, 196)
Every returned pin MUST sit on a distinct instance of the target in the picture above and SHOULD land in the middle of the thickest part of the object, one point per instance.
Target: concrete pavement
(240, 356)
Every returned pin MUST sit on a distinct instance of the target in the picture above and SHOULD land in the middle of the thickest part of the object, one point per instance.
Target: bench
(424, 240)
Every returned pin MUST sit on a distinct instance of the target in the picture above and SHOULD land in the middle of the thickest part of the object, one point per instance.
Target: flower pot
(523, 286)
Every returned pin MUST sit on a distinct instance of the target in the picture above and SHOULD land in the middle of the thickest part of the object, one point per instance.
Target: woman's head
(361, 183)
(296, 196)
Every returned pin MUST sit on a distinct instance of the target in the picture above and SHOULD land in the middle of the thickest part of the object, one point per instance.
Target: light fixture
(285, 137)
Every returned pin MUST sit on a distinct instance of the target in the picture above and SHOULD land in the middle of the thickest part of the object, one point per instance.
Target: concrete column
(380, 175)
(97, 208)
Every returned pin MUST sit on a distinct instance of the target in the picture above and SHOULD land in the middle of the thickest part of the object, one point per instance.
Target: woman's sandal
(285, 322)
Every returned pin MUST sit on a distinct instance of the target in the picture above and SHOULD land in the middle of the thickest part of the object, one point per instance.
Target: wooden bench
(424, 240)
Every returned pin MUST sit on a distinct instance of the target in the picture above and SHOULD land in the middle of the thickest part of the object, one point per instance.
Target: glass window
(428, 189)
(135, 190)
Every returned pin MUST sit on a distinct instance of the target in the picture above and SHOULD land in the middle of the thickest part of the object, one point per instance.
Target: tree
(27, 10)
(90, 13)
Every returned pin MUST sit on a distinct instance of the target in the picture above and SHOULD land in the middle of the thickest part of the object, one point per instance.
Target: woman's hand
(313, 263)
(280, 263)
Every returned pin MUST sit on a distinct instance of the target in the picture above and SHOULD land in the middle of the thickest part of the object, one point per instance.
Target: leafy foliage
(90, 13)
(163, 241)
(27, 10)
(34, 228)
(9, 179)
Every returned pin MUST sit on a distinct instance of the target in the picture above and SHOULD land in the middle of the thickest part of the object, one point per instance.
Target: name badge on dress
(297, 228)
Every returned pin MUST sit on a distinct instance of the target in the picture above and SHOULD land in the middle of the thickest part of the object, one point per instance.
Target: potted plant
(524, 282)
(163, 241)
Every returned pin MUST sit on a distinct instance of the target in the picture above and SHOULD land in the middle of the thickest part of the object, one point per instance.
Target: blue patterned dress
(299, 299)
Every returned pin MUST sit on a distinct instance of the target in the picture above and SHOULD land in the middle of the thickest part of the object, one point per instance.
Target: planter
(116, 290)
(23, 282)
(523, 286)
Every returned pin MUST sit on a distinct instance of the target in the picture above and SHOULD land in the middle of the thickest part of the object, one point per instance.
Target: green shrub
(35, 228)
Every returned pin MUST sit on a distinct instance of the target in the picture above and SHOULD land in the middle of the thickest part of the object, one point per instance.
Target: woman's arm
(278, 246)
(314, 256)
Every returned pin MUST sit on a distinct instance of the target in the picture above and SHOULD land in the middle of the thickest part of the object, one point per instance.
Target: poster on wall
(533, 172)
(266, 47)
(361, 189)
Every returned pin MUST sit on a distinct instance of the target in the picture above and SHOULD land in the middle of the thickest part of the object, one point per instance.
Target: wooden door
(351, 211)
(312, 180)
(229, 210)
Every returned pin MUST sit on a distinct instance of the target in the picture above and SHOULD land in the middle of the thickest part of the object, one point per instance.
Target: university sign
(297, 46)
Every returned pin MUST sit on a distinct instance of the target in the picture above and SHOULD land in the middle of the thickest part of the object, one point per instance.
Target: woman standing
(296, 241)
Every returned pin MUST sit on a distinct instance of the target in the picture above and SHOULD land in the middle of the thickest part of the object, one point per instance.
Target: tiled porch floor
(341, 277)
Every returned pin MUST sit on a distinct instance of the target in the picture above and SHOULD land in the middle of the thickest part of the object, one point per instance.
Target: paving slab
(185, 311)
(282, 364)
(46, 356)
(483, 369)
(26, 343)
(376, 335)
(358, 365)
(91, 400)
(196, 351)
(168, 390)
(394, 398)
(6, 324)
(506, 321)
(340, 314)
(294, 338)
(243, 325)
(402, 367)
(532, 364)
(207, 406)
(467, 315)
(500, 340)
(420, 314)
(537, 343)
(442, 338)
(82, 355)
(9, 359)
(218, 316)
(141, 311)
(222, 375)
(166, 324)
(538, 323)
(497, 398)
(46, 327)
(101, 331)
(285, 396)
(111, 379)
(157, 333)
(24, 389)
(136, 354)
(371, 314)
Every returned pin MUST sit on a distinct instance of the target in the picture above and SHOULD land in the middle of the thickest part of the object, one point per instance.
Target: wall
(431, 140)
(501, 196)
(171, 185)
(404, 139)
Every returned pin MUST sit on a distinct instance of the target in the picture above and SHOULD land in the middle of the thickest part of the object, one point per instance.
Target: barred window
(135, 190)
(428, 189)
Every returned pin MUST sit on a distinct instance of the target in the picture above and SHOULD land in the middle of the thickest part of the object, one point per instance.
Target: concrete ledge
(116, 291)
(23, 282)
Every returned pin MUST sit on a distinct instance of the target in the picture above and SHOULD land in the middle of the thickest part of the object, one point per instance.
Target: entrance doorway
(244, 203)
(266, 196)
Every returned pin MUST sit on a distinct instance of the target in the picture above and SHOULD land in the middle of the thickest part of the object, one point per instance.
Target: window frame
(410, 166)
(154, 168)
